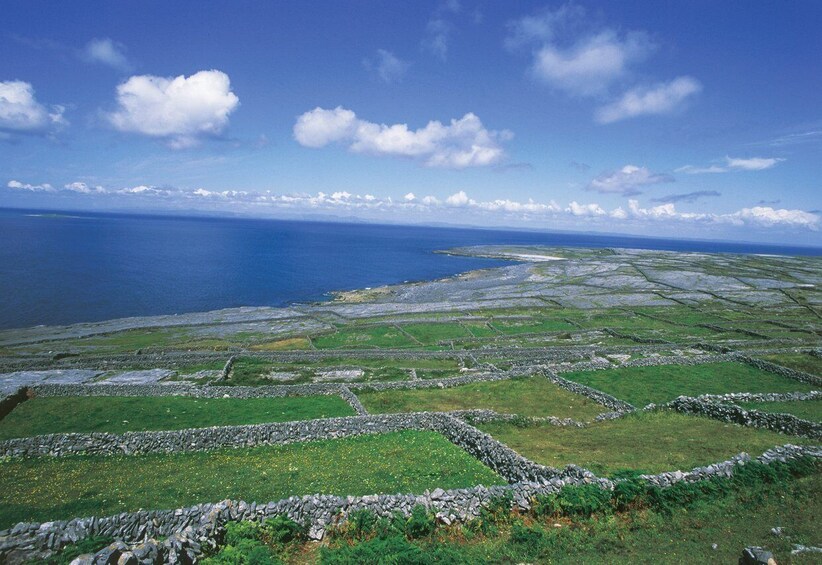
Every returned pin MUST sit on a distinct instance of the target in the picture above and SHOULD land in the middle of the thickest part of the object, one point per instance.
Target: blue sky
(697, 119)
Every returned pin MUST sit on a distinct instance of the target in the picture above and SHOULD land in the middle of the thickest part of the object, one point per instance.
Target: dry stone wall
(200, 526)
(782, 423)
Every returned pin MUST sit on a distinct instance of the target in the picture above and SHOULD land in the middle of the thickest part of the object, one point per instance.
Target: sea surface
(63, 268)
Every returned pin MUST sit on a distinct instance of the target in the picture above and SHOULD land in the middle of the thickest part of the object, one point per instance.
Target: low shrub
(282, 529)
(420, 524)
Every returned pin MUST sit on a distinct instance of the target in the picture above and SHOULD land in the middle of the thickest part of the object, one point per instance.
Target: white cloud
(388, 67)
(493, 211)
(663, 98)
(767, 216)
(458, 199)
(108, 53)
(319, 127)
(83, 188)
(572, 54)
(181, 110)
(627, 181)
(20, 112)
(753, 163)
(463, 143)
(592, 209)
(591, 65)
(733, 164)
(17, 185)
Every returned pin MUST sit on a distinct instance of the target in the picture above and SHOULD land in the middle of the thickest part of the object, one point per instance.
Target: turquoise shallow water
(78, 267)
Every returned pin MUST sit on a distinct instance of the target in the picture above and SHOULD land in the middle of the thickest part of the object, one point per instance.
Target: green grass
(513, 327)
(799, 361)
(534, 396)
(119, 414)
(644, 385)
(430, 334)
(651, 441)
(359, 338)
(47, 488)
(736, 518)
(805, 409)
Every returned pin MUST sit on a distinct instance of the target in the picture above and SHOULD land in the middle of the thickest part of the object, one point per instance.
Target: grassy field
(731, 521)
(650, 442)
(798, 361)
(48, 488)
(119, 414)
(643, 385)
(430, 334)
(534, 396)
(369, 338)
(252, 371)
(805, 409)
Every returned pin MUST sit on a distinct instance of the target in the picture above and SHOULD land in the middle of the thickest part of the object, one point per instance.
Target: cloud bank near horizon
(529, 211)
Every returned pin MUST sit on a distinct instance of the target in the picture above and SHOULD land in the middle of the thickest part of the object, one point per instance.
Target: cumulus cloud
(733, 164)
(107, 52)
(17, 185)
(462, 143)
(20, 112)
(689, 197)
(388, 67)
(662, 98)
(577, 209)
(180, 110)
(627, 181)
(767, 216)
(83, 188)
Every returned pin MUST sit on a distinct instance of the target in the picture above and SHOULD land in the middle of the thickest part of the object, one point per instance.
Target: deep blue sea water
(83, 267)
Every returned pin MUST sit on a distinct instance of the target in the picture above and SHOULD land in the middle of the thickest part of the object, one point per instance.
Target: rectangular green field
(51, 488)
(430, 334)
(805, 409)
(118, 414)
(359, 338)
(644, 385)
(533, 396)
(651, 442)
(798, 361)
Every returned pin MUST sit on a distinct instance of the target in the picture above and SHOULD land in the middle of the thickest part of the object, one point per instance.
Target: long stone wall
(190, 529)
(782, 423)
(780, 370)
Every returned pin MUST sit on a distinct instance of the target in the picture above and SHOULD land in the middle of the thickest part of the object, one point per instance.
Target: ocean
(64, 268)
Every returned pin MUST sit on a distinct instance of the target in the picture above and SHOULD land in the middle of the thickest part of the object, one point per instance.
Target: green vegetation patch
(430, 334)
(644, 385)
(47, 488)
(805, 409)
(118, 414)
(358, 338)
(710, 521)
(513, 327)
(533, 396)
(651, 442)
(798, 361)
